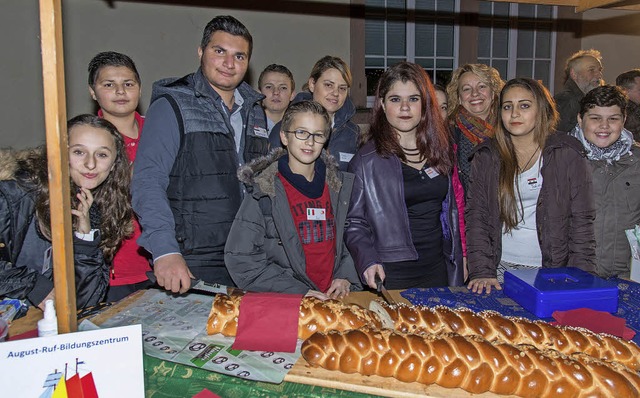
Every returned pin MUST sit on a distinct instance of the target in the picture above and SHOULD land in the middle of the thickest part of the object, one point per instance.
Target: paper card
(596, 321)
(105, 363)
(268, 322)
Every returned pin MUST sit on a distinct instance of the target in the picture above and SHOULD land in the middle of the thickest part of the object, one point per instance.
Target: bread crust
(493, 326)
(471, 363)
(315, 315)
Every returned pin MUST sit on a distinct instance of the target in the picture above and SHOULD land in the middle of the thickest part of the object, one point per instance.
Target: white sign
(104, 363)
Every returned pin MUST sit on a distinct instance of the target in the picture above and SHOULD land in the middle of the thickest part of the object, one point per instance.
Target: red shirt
(314, 221)
(131, 262)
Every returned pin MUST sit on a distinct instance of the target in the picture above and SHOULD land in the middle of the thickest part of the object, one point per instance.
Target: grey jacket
(616, 190)
(263, 251)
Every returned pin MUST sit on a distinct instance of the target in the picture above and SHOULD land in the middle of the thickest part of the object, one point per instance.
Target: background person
(528, 185)
(402, 224)
(613, 157)
(329, 84)
(277, 85)
(114, 83)
(473, 95)
(100, 207)
(582, 73)
(288, 234)
(629, 82)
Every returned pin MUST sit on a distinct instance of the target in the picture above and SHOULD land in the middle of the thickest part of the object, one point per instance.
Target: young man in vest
(198, 130)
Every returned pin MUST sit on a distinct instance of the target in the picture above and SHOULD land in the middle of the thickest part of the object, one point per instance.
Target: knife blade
(197, 285)
(382, 291)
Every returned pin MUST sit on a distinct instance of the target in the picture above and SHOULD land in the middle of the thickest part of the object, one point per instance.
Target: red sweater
(314, 221)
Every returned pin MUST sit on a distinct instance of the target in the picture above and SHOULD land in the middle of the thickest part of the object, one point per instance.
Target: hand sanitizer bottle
(48, 326)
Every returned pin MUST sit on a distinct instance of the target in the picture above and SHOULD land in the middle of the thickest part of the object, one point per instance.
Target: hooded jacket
(17, 218)
(565, 211)
(263, 251)
(343, 142)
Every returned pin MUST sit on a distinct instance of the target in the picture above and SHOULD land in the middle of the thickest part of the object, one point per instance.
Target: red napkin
(205, 394)
(268, 322)
(596, 321)
(25, 335)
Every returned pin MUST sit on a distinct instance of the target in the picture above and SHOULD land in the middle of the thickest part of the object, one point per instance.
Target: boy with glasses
(288, 234)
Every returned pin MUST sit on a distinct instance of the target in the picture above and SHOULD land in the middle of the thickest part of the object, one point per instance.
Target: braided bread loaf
(494, 327)
(470, 363)
(315, 315)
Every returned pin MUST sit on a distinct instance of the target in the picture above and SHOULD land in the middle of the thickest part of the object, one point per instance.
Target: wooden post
(55, 112)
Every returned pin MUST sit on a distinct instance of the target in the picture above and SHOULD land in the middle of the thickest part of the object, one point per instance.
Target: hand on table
(339, 289)
(370, 275)
(317, 294)
(480, 284)
(172, 273)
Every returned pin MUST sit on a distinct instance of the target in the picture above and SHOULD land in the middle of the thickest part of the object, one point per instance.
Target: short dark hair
(604, 96)
(302, 107)
(628, 78)
(227, 24)
(110, 58)
(277, 69)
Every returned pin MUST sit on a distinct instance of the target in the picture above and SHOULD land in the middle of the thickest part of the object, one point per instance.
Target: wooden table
(301, 372)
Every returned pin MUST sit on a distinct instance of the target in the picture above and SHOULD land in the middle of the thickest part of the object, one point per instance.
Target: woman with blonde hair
(473, 97)
(528, 185)
(329, 83)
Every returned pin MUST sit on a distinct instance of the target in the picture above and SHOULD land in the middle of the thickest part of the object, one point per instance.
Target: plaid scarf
(612, 153)
(475, 129)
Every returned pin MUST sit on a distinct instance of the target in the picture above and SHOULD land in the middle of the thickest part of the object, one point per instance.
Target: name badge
(431, 172)
(260, 132)
(345, 157)
(316, 214)
(534, 183)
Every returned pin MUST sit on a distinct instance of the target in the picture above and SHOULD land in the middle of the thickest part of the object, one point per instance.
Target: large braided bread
(315, 315)
(470, 363)
(494, 327)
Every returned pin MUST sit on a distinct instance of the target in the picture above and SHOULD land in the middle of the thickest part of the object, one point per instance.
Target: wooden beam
(55, 112)
(585, 5)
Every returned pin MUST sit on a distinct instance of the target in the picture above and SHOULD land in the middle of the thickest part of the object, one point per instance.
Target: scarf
(475, 129)
(310, 189)
(612, 153)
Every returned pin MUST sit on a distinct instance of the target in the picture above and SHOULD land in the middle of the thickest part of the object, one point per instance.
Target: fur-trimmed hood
(11, 161)
(260, 174)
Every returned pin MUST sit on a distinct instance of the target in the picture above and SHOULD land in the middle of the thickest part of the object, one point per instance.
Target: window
(518, 39)
(420, 31)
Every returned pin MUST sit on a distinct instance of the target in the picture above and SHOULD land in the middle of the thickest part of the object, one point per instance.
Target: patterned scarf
(612, 153)
(475, 129)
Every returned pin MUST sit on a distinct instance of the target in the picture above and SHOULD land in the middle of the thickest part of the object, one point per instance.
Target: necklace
(526, 165)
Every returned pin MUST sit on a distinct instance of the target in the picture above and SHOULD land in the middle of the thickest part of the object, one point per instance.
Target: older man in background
(583, 72)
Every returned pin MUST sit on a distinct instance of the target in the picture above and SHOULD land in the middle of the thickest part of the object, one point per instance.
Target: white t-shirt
(520, 245)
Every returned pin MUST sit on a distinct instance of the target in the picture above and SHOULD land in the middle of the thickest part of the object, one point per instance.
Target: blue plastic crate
(545, 290)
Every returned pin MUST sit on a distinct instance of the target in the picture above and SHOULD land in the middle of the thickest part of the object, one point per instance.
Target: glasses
(304, 135)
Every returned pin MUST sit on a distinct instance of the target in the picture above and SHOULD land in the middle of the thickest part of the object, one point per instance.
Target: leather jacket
(378, 229)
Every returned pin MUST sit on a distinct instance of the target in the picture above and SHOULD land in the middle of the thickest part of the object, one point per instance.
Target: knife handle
(379, 283)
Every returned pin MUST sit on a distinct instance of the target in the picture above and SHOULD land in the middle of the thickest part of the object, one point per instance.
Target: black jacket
(17, 216)
(378, 227)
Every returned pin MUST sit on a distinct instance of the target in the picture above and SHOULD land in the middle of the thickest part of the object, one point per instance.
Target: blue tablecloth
(454, 297)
